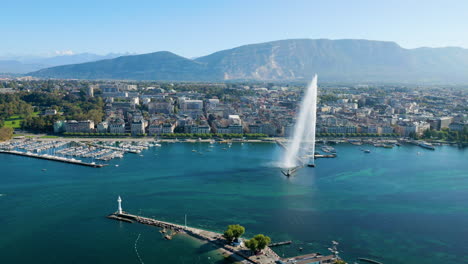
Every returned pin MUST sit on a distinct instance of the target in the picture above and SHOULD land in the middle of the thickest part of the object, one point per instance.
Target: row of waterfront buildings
(269, 111)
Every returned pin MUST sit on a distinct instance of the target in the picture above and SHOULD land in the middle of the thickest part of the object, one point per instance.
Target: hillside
(161, 65)
(26, 64)
(296, 59)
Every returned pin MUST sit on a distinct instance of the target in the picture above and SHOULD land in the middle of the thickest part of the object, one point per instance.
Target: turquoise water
(392, 205)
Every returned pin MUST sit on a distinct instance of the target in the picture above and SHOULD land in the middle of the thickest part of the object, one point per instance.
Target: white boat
(426, 145)
(328, 149)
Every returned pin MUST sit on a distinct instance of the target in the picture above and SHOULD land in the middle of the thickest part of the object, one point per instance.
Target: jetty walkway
(54, 158)
(240, 253)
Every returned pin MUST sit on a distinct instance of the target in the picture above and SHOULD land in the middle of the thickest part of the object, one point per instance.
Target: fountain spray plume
(302, 145)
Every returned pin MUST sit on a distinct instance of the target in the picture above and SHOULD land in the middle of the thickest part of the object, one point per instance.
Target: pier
(239, 253)
(280, 243)
(53, 158)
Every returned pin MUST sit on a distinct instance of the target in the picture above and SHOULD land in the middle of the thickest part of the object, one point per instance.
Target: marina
(91, 154)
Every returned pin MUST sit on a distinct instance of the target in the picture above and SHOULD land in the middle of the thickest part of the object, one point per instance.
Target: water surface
(400, 205)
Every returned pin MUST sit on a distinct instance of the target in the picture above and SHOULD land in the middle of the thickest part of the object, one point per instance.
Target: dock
(280, 243)
(53, 158)
(241, 254)
(113, 148)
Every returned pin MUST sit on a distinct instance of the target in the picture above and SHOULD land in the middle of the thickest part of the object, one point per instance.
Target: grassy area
(14, 121)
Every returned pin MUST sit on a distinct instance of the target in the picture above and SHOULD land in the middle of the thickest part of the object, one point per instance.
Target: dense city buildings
(155, 109)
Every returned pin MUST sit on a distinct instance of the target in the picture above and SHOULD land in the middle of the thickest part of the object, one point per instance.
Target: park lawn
(14, 121)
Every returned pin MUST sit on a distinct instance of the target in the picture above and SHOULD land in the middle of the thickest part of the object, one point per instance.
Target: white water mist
(302, 145)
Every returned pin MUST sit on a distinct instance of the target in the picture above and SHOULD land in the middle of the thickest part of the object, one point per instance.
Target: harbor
(91, 154)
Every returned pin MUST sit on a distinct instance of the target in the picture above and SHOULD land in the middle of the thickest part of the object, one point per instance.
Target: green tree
(95, 115)
(262, 240)
(251, 244)
(234, 232)
(258, 242)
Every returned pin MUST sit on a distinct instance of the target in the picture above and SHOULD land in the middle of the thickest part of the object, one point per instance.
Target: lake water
(400, 205)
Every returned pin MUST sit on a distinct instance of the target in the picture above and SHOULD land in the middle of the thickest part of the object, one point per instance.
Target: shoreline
(143, 139)
(235, 140)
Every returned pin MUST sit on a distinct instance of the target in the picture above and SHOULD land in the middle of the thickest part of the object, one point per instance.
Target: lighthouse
(119, 200)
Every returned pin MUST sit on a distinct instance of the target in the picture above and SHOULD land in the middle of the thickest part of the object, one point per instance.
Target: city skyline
(209, 26)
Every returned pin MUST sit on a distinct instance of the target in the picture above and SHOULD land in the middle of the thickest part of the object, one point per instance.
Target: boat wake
(136, 250)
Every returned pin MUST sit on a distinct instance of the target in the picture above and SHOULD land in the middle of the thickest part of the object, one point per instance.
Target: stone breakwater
(240, 253)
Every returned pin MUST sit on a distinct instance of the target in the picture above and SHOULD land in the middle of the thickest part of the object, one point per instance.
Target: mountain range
(17, 64)
(294, 59)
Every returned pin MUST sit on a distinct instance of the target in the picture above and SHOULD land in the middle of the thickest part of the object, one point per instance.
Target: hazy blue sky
(195, 28)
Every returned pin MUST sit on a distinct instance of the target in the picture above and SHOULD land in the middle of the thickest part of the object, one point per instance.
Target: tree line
(71, 106)
(356, 135)
(444, 134)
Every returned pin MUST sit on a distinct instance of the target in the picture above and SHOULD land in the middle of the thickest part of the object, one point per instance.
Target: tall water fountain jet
(302, 146)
